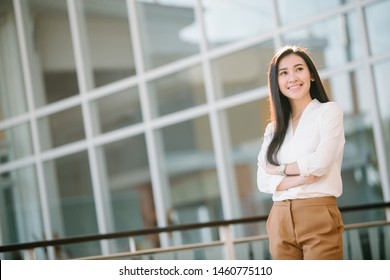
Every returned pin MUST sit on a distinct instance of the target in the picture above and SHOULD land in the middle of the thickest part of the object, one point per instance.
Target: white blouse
(317, 146)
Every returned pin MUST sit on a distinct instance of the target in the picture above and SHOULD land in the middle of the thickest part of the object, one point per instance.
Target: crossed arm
(292, 178)
(310, 166)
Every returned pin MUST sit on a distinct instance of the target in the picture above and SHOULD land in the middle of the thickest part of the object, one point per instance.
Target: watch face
(281, 169)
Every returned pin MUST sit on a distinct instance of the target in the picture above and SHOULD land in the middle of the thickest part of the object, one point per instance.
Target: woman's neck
(298, 106)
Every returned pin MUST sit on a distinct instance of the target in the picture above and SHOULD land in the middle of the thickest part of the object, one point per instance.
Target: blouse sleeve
(331, 144)
(266, 183)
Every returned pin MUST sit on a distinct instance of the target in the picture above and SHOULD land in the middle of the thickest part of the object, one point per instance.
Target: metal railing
(377, 233)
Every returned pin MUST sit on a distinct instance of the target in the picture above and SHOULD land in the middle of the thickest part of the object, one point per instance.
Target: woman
(300, 161)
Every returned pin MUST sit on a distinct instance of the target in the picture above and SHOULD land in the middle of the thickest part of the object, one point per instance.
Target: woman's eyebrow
(285, 68)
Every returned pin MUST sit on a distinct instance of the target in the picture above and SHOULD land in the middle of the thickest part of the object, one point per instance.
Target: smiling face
(294, 78)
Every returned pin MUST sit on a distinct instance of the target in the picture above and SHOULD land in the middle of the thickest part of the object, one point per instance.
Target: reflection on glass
(72, 205)
(190, 170)
(299, 10)
(378, 22)
(381, 72)
(243, 150)
(10, 66)
(242, 71)
(229, 21)
(124, 174)
(332, 42)
(61, 128)
(117, 110)
(255, 250)
(243, 145)
(361, 183)
(20, 210)
(178, 91)
(15, 143)
(162, 26)
(108, 42)
(54, 71)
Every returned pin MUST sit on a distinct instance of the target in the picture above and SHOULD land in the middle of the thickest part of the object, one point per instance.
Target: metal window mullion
(117, 86)
(180, 116)
(151, 141)
(27, 79)
(173, 67)
(225, 175)
(17, 164)
(276, 24)
(14, 121)
(377, 120)
(84, 82)
(380, 57)
(243, 98)
(56, 107)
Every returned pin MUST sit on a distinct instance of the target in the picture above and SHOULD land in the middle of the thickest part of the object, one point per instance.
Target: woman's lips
(294, 86)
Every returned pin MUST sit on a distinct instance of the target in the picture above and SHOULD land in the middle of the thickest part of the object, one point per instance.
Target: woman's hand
(289, 182)
(291, 169)
(272, 169)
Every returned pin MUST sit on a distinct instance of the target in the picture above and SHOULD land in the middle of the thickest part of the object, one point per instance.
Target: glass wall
(121, 115)
(379, 43)
(51, 56)
(177, 91)
(241, 71)
(160, 25)
(229, 21)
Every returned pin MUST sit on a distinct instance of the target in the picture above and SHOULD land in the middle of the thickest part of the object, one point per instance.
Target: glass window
(243, 147)
(12, 94)
(50, 51)
(361, 182)
(108, 44)
(72, 205)
(192, 188)
(124, 174)
(61, 128)
(15, 143)
(242, 71)
(229, 21)
(381, 72)
(299, 10)
(378, 21)
(20, 209)
(178, 91)
(332, 42)
(116, 110)
(161, 25)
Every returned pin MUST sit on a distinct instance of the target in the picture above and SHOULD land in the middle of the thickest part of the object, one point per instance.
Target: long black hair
(279, 104)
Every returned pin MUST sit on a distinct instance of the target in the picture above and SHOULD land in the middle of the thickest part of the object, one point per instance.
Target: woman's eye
(282, 73)
(299, 69)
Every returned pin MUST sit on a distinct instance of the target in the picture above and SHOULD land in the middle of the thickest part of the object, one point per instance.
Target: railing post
(29, 254)
(386, 233)
(226, 233)
(132, 245)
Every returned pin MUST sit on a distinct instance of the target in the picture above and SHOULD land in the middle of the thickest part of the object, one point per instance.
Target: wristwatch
(281, 169)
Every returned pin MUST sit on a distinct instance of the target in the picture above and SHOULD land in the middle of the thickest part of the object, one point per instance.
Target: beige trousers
(306, 229)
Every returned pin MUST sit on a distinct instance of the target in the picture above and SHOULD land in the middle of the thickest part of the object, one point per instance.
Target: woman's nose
(292, 78)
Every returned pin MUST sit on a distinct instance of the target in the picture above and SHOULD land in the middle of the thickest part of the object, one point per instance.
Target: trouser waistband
(315, 201)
